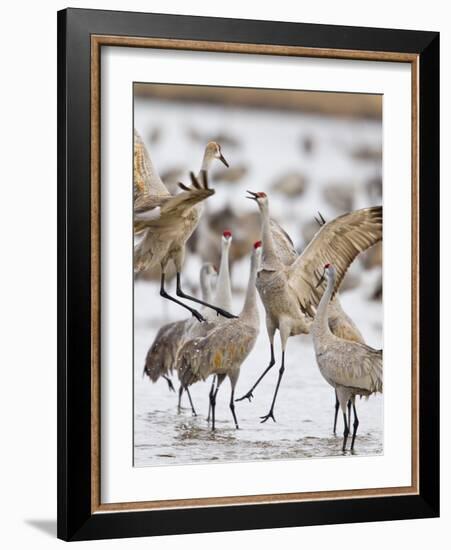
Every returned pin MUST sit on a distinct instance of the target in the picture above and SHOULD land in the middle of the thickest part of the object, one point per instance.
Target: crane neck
(270, 259)
(249, 313)
(205, 286)
(321, 323)
(223, 295)
(206, 162)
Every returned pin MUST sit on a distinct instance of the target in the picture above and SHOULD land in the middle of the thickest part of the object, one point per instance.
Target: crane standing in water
(349, 367)
(289, 292)
(161, 358)
(223, 350)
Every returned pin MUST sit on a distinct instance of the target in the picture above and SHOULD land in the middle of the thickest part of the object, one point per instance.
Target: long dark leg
(213, 407)
(249, 395)
(219, 310)
(179, 406)
(164, 294)
(349, 414)
(356, 425)
(193, 410)
(271, 410)
(212, 389)
(346, 432)
(337, 406)
(232, 408)
(169, 381)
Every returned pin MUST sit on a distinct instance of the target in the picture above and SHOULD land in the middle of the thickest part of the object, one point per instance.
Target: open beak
(253, 195)
(320, 281)
(223, 160)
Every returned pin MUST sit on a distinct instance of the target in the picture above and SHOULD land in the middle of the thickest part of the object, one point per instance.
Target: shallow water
(304, 409)
(305, 406)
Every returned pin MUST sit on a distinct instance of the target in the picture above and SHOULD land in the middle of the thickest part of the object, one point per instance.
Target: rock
(292, 184)
(340, 196)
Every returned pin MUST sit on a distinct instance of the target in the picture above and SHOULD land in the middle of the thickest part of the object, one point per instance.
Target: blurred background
(310, 152)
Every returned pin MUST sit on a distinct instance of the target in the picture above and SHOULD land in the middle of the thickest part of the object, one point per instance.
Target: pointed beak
(320, 281)
(223, 160)
(253, 195)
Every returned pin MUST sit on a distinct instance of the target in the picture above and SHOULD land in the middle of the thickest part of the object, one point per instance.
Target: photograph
(248, 291)
(258, 274)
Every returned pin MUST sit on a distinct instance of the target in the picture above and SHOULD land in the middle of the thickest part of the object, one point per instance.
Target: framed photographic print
(248, 274)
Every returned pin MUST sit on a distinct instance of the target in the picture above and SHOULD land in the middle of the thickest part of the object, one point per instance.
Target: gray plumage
(161, 358)
(162, 355)
(146, 181)
(223, 349)
(351, 368)
(341, 324)
(165, 221)
(290, 293)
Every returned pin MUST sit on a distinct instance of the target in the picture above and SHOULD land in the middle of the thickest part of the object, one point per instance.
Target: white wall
(28, 269)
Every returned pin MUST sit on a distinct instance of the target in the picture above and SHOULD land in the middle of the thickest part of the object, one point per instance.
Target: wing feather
(337, 242)
(171, 208)
(146, 180)
(162, 354)
(223, 348)
(284, 245)
(364, 372)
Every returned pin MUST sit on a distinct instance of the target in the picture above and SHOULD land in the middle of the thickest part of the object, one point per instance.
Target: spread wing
(151, 211)
(146, 180)
(284, 245)
(337, 242)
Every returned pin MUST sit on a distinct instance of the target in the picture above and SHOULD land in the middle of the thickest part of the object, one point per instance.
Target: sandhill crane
(246, 230)
(342, 326)
(223, 292)
(223, 295)
(350, 367)
(289, 292)
(162, 355)
(164, 222)
(223, 350)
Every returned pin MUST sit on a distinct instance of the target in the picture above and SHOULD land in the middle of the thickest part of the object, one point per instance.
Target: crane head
(327, 268)
(213, 150)
(227, 236)
(260, 198)
(257, 254)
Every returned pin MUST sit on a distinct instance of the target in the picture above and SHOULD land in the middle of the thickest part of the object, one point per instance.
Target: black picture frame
(76, 521)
